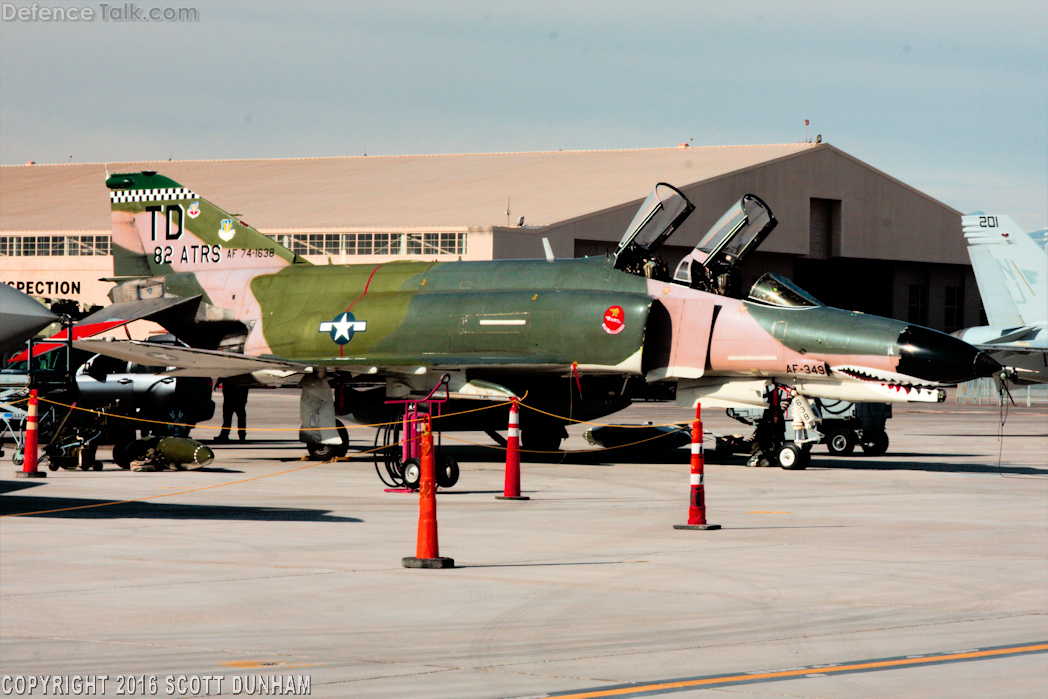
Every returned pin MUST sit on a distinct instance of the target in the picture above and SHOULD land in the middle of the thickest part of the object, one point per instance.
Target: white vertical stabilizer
(1011, 270)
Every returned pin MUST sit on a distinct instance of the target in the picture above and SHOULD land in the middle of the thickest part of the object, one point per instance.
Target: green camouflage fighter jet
(581, 338)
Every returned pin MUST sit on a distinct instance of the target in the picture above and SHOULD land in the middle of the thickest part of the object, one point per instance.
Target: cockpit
(659, 216)
(713, 262)
(774, 290)
(713, 265)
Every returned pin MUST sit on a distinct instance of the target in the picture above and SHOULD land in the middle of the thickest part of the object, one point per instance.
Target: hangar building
(851, 235)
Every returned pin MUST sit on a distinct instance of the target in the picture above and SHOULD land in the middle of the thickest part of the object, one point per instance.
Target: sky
(949, 97)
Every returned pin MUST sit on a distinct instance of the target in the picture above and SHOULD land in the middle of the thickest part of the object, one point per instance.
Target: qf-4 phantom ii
(580, 338)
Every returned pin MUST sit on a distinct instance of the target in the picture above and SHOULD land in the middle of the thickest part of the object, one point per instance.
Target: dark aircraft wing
(189, 360)
(21, 317)
(111, 317)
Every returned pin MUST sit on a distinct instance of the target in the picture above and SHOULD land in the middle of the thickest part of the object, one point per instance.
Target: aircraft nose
(935, 356)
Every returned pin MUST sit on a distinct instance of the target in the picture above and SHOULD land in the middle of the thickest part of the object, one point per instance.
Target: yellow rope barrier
(180, 492)
(561, 451)
(682, 423)
(345, 458)
(132, 418)
(129, 418)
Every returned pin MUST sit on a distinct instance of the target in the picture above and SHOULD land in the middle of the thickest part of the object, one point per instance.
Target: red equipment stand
(427, 550)
(697, 508)
(31, 446)
(511, 490)
(410, 444)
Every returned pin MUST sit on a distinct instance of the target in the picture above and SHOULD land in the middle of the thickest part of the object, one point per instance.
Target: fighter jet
(580, 338)
(1011, 269)
(20, 317)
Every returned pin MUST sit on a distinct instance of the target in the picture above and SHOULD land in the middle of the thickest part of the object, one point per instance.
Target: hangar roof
(398, 191)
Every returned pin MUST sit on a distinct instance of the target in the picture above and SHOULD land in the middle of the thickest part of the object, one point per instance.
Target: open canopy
(739, 231)
(661, 213)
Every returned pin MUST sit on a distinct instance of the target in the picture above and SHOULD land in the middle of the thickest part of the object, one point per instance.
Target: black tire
(792, 457)
(542, 438)
(411, 471)
(448, 473)
(323, 452)
(875, 443)
(841, 442)
(120, 455)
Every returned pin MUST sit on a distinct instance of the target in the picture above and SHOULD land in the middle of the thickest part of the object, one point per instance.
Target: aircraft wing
(1030, 363)
(108, 318)
(21, 317)
(188, 360)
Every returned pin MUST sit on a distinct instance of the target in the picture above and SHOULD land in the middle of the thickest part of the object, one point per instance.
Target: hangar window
(365, 243)
(384, 244)
(53, 245)
(328, 244)
(414, 244)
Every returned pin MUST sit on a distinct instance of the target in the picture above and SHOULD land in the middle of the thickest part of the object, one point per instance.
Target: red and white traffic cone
(511, 490)
(697, 508)
(31, 446)
(427, 550)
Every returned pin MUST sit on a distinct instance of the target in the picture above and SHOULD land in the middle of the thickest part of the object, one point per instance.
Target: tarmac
(921, 573)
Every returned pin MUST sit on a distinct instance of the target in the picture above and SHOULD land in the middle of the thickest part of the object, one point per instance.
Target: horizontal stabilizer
(188, 361)
(108, 318)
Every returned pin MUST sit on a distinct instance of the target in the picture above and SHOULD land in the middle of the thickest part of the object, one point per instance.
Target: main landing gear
(769, 446)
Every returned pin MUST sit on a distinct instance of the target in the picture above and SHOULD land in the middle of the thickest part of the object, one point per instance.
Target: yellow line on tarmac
(881, 664)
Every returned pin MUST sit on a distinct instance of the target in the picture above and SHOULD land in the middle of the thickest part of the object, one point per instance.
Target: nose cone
(20, 317)
(934, 356)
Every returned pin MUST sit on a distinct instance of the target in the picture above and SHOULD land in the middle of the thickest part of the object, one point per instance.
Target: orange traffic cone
(31, 446)
(427, 551)
(511, 490)
(697, 508)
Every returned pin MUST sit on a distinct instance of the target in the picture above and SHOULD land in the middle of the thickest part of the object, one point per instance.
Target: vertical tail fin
(1010, 268)
(160, 227)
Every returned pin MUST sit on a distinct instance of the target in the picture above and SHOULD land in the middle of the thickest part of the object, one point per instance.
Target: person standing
(234, 402)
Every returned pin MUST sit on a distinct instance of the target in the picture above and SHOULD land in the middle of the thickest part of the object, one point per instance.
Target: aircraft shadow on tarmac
(607, 457)
(901, 461)
(886, 463)
(114, 509)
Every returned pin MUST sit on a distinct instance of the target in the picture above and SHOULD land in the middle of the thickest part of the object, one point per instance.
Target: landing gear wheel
(120, 455)
(793, 458)
(841, 443)
(448, 473)
(875, 443)
(324, 452)
(542, 437)
(412, 473)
